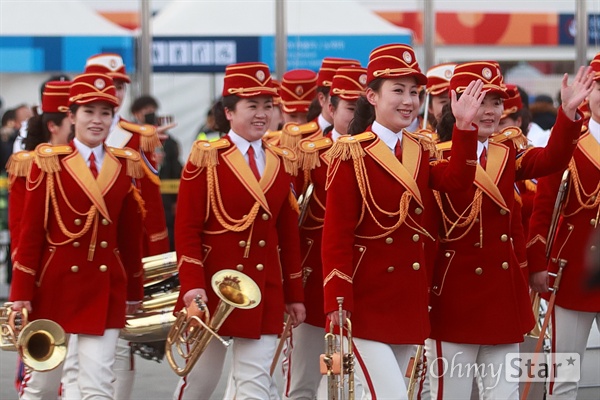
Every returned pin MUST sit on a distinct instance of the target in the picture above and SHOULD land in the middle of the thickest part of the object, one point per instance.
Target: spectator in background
(208, 131)
(143, 109)
(8, 133)
(543, 115)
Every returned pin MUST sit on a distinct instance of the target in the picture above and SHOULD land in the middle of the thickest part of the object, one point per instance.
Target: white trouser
(381, 368)
(250, 373)
(569, 335)
(123, 369)
(452, 367)
(95, 358)
(300, 364)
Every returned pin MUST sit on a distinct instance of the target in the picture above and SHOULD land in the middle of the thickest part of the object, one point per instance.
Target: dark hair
(143, 102)
(37, 128)
(446, 123)
(8, 115)
(525, 116)
(364, 114)
(221, 122)
(314, 109)
(335, 101)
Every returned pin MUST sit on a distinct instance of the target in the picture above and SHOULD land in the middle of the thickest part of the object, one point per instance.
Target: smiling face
(251, 117)
(488, 116)
(92, 122)
(396, 102)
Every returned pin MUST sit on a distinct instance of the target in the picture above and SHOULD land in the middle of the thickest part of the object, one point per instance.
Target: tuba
(194, 328)
(337, 364)
(42, 344)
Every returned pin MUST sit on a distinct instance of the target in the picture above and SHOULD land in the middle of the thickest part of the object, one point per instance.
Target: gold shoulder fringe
(513, 134)
(347, 147)
(206, 154)
(148, 137)
(290, 158)
(135, 169)
(529, 185)
(46, 156)
(272, 136)
(292, 134)
(424, 137)
(20, 163)
(518, 197)
(310, 151)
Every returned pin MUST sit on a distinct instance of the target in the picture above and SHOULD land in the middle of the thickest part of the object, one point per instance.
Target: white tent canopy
(54, 18)
(256, 18)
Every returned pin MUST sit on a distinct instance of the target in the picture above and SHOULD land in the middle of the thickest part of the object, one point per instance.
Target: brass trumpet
(42, 344)
(337, 364)
(190, 331)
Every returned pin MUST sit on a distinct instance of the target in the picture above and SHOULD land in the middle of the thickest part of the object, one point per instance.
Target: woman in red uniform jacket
(373, 252)
(236, 211)
(577, 302)
(480, 307)
(80, 263)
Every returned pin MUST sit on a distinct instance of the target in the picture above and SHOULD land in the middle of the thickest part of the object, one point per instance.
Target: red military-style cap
(55, 97)
(88, 88)
(277, 86)
(595, 64)
(328, 67)
(108, 64)
(487, 71)
(394, 61)
(349, 83)
(513, 103)
(298, 89)
(248, 79)
(438, 78)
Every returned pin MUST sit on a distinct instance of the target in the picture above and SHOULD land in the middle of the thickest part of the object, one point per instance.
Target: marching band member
(51, 126)
(298, 89)
(377, 181)
(577, 303)
(80, 265)
(236, 210)
(438, 93)
(328, 68)
(476, 260)
(300, 365)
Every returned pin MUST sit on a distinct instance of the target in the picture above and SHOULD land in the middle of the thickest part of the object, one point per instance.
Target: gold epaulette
(46, 156)
(148, 137)
(290, 158)
(347, 147)
(292, 133)
(20, 163)
(272, 136)
(425, 139)
(135, 169)
(444, 146)
(205, 153)
(310, 149)
(513, 134)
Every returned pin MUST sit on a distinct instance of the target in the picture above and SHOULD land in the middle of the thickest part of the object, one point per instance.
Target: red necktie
(483, 158)
(93, 167)
(252, 163)
(398, 151)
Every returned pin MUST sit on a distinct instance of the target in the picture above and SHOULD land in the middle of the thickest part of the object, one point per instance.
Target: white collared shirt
(387, 136)
(86, 151)
(480, 147)
(323, 123)
(594, 129)
(335, 135)
(243, 145)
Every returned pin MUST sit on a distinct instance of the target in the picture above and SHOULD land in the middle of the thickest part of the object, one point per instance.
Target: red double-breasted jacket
(313, 171)
(373, 231)
(479, 294)
(143, 138)
(79, 255)
(226, 219)
(18, 166)
(576, 229)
